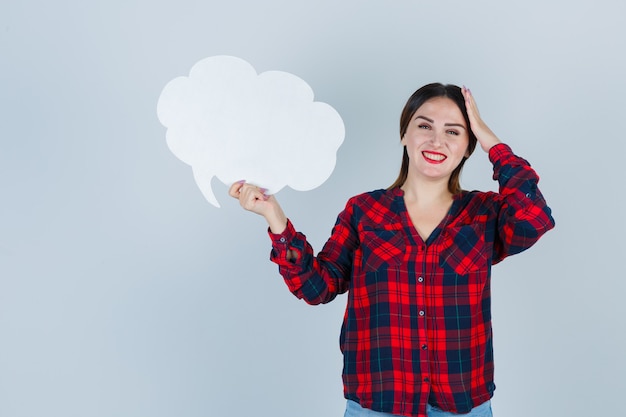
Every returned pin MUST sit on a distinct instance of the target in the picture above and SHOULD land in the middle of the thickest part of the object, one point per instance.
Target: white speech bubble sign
(225, 120)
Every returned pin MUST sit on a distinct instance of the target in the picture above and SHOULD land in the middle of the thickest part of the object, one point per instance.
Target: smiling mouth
(434, 157)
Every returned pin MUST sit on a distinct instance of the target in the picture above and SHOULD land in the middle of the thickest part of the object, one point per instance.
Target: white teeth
(435, 157)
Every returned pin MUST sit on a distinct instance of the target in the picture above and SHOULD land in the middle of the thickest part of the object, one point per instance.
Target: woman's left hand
(485, 136)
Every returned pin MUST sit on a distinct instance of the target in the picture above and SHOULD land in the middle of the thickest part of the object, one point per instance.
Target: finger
(235, 189)
(248, 190)
(469, 98)
(470, 104)
(465, 92)
(250, 197)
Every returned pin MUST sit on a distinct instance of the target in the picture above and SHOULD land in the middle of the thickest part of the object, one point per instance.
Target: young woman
(416, 261)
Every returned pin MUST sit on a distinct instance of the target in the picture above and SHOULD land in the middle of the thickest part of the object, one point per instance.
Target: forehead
(440, 109)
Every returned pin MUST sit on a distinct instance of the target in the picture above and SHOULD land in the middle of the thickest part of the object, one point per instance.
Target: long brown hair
(414, 102)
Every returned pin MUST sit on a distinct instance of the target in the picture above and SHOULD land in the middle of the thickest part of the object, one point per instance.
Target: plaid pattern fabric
(417, 326)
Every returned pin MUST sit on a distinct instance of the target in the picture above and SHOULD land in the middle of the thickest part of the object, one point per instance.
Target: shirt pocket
(382, 249)
(463, 249)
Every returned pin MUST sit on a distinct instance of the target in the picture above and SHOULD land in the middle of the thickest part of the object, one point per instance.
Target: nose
(437, 138)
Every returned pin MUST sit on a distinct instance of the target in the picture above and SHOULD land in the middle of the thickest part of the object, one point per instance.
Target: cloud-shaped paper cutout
(226, 121)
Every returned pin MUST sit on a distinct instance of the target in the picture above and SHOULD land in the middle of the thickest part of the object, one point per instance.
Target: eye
(453, 132)
(423, 126)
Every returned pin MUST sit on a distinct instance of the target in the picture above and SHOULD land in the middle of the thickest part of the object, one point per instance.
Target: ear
(402, 140)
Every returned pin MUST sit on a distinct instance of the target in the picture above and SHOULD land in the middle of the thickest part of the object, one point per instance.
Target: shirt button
(424, 347)
(426, 380)
(421, 313)
(421, 279)
(283, 240)
(528, 195)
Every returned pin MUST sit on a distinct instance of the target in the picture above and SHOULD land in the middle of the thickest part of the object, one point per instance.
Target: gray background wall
(124, 293)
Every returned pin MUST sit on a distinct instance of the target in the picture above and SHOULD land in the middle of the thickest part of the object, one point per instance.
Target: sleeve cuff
(499, 152)
(283, 239)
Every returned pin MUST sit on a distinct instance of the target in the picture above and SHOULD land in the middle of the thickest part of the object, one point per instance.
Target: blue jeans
(354, 409)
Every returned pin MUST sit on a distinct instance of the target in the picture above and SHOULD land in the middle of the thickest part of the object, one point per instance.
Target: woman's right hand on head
(254, 199)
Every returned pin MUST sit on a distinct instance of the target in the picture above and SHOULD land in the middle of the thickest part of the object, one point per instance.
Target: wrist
(488, 145)
(277, 222)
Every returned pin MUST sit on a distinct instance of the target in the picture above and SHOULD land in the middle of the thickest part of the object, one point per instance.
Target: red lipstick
(434, 157)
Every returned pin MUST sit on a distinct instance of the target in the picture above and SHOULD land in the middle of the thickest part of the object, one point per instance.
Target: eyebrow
(445, 124)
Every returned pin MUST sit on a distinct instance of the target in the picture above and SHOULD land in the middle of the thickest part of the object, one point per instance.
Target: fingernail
(240, 182)
(263, 190)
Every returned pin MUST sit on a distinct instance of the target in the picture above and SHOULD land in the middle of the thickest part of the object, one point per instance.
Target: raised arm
(523, 215)
(316, 279)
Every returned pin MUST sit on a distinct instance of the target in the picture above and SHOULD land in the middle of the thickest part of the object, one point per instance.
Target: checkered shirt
(417, 326)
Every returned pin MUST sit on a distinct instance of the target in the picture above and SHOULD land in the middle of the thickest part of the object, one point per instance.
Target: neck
(426, 192)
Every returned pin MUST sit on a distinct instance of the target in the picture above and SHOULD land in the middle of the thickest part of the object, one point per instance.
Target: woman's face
(436, 139)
